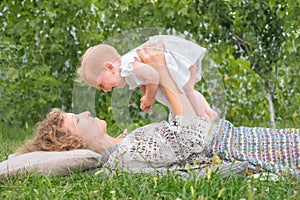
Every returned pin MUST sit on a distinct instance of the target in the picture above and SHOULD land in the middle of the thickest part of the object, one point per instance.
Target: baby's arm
(150, 84)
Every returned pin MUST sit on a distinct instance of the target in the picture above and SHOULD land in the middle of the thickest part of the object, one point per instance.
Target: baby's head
(94, 62)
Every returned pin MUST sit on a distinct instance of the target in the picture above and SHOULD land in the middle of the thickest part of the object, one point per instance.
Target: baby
(102, 67)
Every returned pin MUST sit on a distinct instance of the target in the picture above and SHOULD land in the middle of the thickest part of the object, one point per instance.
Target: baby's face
(108, 80)
(105, 77)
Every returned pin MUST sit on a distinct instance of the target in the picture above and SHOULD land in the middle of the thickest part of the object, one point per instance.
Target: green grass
(11, 139)
(122, 185)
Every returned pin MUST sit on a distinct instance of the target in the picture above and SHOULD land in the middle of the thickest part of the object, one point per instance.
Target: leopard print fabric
(186, 139)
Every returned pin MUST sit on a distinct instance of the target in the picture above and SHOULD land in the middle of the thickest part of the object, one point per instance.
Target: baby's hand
(146, 103)
(124, 134)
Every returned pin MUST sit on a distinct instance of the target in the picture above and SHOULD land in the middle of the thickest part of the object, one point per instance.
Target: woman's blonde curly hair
(51, 136)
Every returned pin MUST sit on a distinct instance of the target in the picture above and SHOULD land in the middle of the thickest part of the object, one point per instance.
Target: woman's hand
(153, 54)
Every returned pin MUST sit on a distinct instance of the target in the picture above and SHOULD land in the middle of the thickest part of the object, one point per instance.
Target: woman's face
(89, 129)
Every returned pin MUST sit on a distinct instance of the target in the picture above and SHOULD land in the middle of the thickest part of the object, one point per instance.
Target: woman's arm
(154, 56)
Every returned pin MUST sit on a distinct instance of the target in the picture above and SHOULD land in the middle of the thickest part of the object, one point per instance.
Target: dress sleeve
(126, 71)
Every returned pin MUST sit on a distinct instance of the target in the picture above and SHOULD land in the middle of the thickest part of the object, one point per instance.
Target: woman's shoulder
(153, 126)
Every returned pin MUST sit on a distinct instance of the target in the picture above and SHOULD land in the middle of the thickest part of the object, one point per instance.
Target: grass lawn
(122, 185)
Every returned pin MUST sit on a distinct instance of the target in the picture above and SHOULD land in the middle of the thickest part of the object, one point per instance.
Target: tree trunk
(269, 96)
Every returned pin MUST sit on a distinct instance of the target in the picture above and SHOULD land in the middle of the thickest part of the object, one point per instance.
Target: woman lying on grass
(187, 139)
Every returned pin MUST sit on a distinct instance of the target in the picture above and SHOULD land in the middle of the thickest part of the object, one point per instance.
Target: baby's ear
(110, 67)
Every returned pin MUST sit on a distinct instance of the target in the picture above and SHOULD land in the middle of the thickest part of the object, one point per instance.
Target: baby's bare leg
(197, 100)
(193, 72)
(194, 100)
(203, 105)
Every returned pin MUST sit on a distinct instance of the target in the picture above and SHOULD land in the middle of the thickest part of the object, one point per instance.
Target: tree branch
(244, 46)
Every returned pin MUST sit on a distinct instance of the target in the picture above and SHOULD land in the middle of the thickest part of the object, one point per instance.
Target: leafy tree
(254, 43)
(259, 29)
(41, 43)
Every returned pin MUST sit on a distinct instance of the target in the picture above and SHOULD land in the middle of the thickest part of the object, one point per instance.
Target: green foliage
(41, 43)
(38, 64)
(12, 138)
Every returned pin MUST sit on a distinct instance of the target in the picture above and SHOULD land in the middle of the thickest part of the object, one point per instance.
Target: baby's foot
(214, 116)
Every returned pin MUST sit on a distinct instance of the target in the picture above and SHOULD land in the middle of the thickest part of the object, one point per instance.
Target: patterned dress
(163, 144)
(189, 139)
(275, 150)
